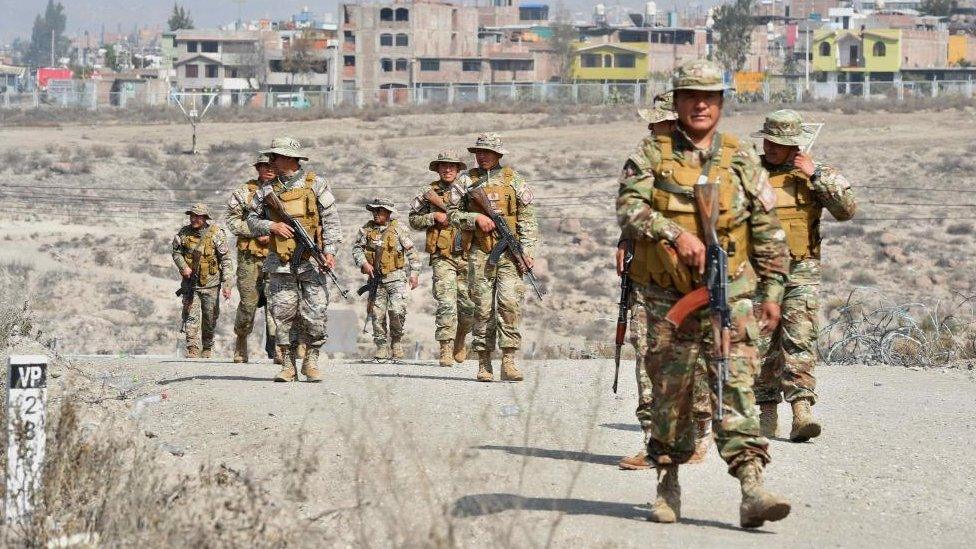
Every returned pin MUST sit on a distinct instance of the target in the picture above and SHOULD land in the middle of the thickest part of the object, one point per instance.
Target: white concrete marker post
(26, 399)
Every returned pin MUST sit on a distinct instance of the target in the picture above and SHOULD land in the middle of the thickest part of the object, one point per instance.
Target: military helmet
(381, 203)
(489, 141)
(286, 146)
(447, 157)
(698, 74)
(661, 111)
(785, 127)
(199, 209)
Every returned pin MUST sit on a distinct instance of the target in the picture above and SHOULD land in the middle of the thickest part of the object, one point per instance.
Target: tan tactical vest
(440, 240)
(251, 245)
(657, 261)
(503, 201)
(799, 212)
(209, 265)
(393, 255)
(302, 205)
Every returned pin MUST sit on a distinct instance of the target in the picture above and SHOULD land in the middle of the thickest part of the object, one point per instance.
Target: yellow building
(611, 62)
(875, 50)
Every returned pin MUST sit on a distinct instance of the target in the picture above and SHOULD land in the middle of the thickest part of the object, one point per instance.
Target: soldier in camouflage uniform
(803, 189)
(251, 254)
(399, 265)
(660, 121)
(656, 207)
(497, 292)
(207, 238)
(448, 259)
(301, 295)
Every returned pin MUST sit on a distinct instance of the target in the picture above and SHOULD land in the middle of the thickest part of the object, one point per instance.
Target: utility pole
(52, 48)
(806, 54)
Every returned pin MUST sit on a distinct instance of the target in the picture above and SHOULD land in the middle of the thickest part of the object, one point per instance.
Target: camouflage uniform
(214, 272)
(399, 261)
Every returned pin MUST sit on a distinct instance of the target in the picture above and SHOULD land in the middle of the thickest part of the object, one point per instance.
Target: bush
(102, 151)
(143, 154)
(962, 228)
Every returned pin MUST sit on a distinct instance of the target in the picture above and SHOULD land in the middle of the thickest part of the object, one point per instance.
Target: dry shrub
(102, 151)
(142, 154)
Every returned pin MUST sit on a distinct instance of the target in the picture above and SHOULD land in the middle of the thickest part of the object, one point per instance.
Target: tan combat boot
(805, 426)
(460, 349)
(703, 439)
(382, 353)
(193, 352)
(768, 419)
(446, 358)
(287, 372)
(397, 349)
(240, 349)
(510, 371)
(484, 366)
(667, 507)
(206, 353)
(758, 505)
(636, 462)
(300, 350)
(310, 365)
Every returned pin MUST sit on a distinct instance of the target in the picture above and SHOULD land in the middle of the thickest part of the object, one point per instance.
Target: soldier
(654, 204)
(497, 292)
(200, 252)
(448, 258)
(803, 189)
(384, 238)
(301, 295)
(251, 254)
(660, 121)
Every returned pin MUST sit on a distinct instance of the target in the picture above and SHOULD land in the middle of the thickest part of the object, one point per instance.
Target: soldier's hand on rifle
(264, 239)
(226, 292)
(804, 163)
(329, 261)
(282, 230)
(414, 282)
(691, 251)
(769, 317)
(619, 259)
(484, 223)
(187, 272)
(440, 218)
(367, 269)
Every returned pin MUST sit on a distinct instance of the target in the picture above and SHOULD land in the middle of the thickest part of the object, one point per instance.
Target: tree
(179, 19)
(734, 24)
(941, 8)
(564, 35)
(48, 29)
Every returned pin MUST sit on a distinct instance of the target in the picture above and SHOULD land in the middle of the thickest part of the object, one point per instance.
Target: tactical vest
(799, 212)
(303, 206)
(246, 244)
(440, 240)
(393, 255)
(657, 261)
(209, 265)
(503, 201)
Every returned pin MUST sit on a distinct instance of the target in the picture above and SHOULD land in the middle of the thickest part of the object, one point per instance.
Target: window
(348, 60)
(208, 46)
(430, 64)
(191, 47)
(879, 49)
(511, 64)
(590, 60)
(192, 71)
(824, 49)
(402, 40)
(402, 14)
(386, 65)
(626, 60)
(401, 65)
(607, 60)
(471, 65)
(349, 37)
(386, 14)
(346, 16)
(386, 40)
(211, 71)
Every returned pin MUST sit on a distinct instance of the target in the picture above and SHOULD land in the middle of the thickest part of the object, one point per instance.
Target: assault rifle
(305, 242)
(373, 284)
(506, 240)
(434, 200)
(714, 292)
(188, 285)
(626, 285)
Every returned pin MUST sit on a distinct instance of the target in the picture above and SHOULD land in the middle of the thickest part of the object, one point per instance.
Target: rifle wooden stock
(435, 200)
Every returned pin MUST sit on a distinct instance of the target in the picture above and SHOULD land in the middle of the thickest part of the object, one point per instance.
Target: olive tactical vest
(377, 237)
(657, 261)
(246, 244)
(303, 206)
(209, 265)
(440, 240)
(503, 201)
(799, 212)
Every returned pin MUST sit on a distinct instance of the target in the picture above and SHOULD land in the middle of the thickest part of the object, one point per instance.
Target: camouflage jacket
(754, 204)
(421, 212)
(221, 250)
(237, 207)
(412, 265)
(463, 214)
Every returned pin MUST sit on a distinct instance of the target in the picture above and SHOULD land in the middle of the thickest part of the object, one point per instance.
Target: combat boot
(447, 351)
(510, 371)
(397, 350)
(768, 419)
(484, 366)
(460, 349)
(635, 463)
(206, 353)
(382, 353)
(240, 349)
(758, 505)
(703, 439)
(310, 365)
(287, 372)
(278, 351)
(805, 426)
(667, 507)
(300, 350)
(193, 352)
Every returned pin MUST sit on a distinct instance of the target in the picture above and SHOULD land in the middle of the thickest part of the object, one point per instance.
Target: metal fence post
(935, 87)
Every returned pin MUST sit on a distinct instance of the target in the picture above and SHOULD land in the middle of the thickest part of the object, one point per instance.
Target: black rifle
(626, 285)
(306, 244)
(506, 240)
(188, 286)
(373, 284)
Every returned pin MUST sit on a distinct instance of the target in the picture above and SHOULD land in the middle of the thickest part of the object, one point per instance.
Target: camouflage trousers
(497, 295)
(252, 284)
(300, 304)
(673, 358)
(640, 321)
(202, 319)
(391, 301)
(791, 353)
(451, 293)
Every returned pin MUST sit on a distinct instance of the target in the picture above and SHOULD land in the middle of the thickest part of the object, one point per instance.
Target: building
(606, 53)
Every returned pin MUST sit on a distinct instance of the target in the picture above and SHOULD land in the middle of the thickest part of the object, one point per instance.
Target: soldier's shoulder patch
(525, 195)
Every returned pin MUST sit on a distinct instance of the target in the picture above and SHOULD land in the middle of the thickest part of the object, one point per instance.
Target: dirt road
(396, 454)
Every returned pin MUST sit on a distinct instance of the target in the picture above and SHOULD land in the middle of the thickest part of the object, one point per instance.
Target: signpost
(26, 398)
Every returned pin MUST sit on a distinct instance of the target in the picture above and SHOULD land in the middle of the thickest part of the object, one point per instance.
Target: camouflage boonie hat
(785, 127)
(285, 146)
(489, 141)
(699, 74)
(260, 159)
(378, 203)
(447, 157)
(199, 209)
(662, 111)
